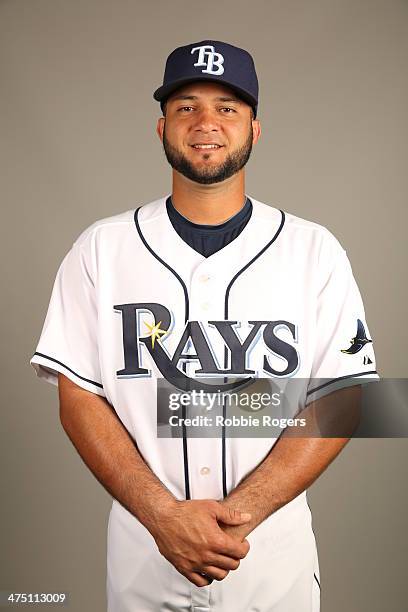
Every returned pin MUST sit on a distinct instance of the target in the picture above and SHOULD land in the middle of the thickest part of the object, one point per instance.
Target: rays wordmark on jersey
(196, 347)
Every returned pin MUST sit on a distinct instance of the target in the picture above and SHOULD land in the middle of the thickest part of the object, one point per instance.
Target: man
(204, 284)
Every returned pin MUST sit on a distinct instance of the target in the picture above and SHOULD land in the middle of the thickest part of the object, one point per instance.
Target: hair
(164, 104)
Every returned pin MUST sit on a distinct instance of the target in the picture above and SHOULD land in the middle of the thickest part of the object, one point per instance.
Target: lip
(193, 144)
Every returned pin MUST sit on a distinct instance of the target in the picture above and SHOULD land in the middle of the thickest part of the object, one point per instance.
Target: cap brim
(164, 91)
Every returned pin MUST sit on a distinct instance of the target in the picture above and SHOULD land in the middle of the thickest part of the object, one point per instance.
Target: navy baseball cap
(211, 60)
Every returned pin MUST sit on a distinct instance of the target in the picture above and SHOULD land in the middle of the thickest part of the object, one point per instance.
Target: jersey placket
(204, 453)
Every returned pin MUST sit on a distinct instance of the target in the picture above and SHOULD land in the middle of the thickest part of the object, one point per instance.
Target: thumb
(229, 516)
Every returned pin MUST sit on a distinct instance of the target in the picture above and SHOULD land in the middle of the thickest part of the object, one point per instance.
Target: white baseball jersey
(132, 303)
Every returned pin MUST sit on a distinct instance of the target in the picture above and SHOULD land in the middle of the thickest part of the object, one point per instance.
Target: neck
(208, 204)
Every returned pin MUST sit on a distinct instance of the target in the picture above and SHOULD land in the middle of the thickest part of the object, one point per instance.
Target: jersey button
(204, 471)
(203, 278)
(205, 306)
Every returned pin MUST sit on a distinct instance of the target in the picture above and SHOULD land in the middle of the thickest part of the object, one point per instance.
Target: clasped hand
(193, 536)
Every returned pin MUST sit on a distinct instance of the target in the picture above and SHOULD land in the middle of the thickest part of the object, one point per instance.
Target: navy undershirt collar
(208, 239)
(201, 227)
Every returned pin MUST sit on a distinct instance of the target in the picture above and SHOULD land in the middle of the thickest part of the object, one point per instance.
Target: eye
(227, 108)
(184, 108)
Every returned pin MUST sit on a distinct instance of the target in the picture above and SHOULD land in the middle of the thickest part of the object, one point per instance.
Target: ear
(160, 127)
(256, 129)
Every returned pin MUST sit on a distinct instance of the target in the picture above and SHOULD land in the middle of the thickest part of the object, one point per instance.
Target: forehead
(206, 89)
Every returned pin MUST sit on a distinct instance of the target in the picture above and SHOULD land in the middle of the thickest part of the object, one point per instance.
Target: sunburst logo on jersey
(155, 332)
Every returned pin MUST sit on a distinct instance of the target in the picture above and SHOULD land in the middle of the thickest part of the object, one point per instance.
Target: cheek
(176, 135)
(235, 133)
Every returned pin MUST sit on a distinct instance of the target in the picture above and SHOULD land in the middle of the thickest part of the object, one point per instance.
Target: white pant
(279, 574)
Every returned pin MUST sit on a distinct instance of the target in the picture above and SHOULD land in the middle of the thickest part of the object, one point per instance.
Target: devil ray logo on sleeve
(359, 340)
(195, 337)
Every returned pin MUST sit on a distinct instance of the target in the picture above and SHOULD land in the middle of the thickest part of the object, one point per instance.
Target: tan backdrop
(78, 144)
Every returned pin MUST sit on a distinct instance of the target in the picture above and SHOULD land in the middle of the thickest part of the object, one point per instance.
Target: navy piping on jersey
(187, 310)
(334, 380)
(307, 502)
(185, 449)
(226, 314)
(166, 265)
(70, 370)
(148, 247)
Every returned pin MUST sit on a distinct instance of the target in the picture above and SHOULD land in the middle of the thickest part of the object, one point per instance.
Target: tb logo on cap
(213, 59)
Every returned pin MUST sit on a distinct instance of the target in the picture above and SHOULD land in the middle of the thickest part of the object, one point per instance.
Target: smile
(206, 146)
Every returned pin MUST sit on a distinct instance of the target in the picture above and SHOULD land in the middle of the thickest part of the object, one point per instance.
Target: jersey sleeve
(344, 353)
(69, 339)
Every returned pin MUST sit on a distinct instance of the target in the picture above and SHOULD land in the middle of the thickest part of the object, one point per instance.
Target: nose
(206, 120)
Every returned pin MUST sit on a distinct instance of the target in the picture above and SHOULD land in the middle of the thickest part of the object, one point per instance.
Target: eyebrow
(218, 98)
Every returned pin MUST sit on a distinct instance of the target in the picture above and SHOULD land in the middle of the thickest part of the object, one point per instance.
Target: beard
(206, 175)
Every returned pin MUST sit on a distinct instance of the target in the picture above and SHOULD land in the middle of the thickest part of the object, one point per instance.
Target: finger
(229, 516)
(233, 548)
(227, 563)
(198, 579)
(215, 572)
